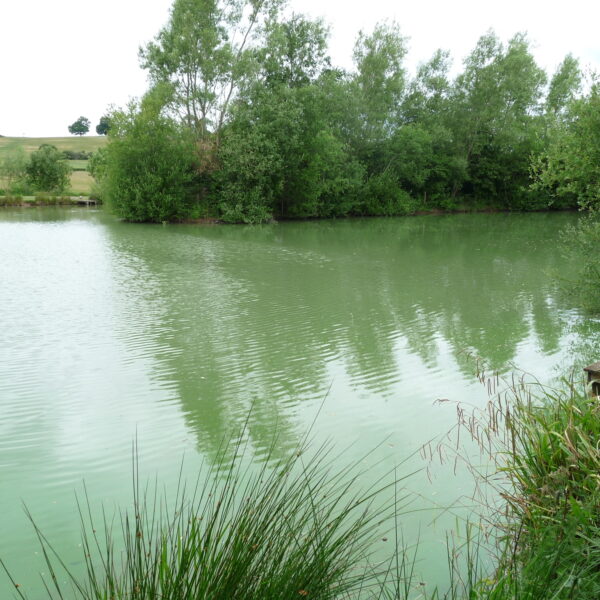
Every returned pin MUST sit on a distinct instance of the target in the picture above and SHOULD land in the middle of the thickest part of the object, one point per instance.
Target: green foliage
(380, 77)
(80, 127)
(76, 155)
(148, 168)
(569, 168)
(295, 51)
(564, 86)
(13, 166)
(202, 56)
(548, 450)
(279, 132)
(383, 196)
(47, 170)
(297, 527)
(103, 126)
(496, 118)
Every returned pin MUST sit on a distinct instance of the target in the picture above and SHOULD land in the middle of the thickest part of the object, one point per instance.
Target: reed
(296, 527)
(545, 444)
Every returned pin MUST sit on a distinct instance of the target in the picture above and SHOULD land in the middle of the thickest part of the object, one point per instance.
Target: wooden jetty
(84, 201)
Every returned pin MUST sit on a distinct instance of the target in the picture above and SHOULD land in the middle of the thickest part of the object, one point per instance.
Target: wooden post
(593, 377)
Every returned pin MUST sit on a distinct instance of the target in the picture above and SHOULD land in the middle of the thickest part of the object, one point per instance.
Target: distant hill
(86, 143)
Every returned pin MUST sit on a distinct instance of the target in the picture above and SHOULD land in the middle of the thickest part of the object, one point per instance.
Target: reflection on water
(173, 334)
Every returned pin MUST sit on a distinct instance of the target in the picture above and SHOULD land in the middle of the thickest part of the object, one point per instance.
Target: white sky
(64, 58)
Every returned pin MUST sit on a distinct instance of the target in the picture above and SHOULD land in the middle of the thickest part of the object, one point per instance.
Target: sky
(68, 58)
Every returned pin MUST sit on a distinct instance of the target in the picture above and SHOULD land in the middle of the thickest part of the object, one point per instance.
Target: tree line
(247, 119)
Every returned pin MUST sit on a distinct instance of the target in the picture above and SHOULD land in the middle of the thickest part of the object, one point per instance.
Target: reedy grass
(304, 527)
(545, 444)
(296, 527)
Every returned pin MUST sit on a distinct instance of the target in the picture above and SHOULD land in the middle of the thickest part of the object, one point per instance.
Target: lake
(173, 335)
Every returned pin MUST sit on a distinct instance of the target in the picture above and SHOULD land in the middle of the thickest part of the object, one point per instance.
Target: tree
(47, 170)
(496, 119)
(103, 126)
(296, 51)
(13, 165)
(564, 86)
(380, 78)
(80, 127)
(203, 54)
(569, 168)
(147, 170)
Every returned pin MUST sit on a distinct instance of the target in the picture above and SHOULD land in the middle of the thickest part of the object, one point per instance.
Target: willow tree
(496, 110)
(380, 78)
(203, 54)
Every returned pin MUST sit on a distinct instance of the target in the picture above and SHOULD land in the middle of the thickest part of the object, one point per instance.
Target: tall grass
(545, 444)
(296, 527)
(304, 527)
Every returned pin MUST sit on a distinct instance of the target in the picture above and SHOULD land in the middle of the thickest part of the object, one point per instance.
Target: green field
(78, 165)
(81, 180)
(87, 143)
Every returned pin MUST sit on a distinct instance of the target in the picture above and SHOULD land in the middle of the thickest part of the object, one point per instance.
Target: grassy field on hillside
(78, 165)
(81, 180)
(86, 143)
(81, 183)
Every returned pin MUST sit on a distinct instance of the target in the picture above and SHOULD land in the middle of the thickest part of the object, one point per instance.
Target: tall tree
(204, 54)
(569, 168)
(495, 115)
(295, 51)
(564, 85)
(426, 96)
(380, 78)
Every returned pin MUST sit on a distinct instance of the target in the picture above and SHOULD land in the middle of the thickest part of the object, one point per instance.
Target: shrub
(383, 196)
(148, 168)
(47, 169)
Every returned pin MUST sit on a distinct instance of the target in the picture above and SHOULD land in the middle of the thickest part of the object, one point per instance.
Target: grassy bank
(303, 527)
(546, 535)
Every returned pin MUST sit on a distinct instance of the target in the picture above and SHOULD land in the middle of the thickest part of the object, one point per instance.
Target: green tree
(295, 51)
(204, 54)
(148, 168)
(564, 86)
(47, 170)
(569, 168)
(80, 127)
(380, 78)
(496, 119)
(13, 166)
(103, 126)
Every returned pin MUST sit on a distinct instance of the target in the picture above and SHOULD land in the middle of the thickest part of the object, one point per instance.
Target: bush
(383, 196)
(47, 169)
(77, 155)
(148, 168)
(545, 445)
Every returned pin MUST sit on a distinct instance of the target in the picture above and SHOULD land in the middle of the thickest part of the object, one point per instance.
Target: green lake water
(110, 331)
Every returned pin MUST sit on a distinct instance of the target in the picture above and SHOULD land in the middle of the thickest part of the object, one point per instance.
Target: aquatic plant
(296, 527)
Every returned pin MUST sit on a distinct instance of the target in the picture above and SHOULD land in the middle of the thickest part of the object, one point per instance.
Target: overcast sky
(64, 58)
